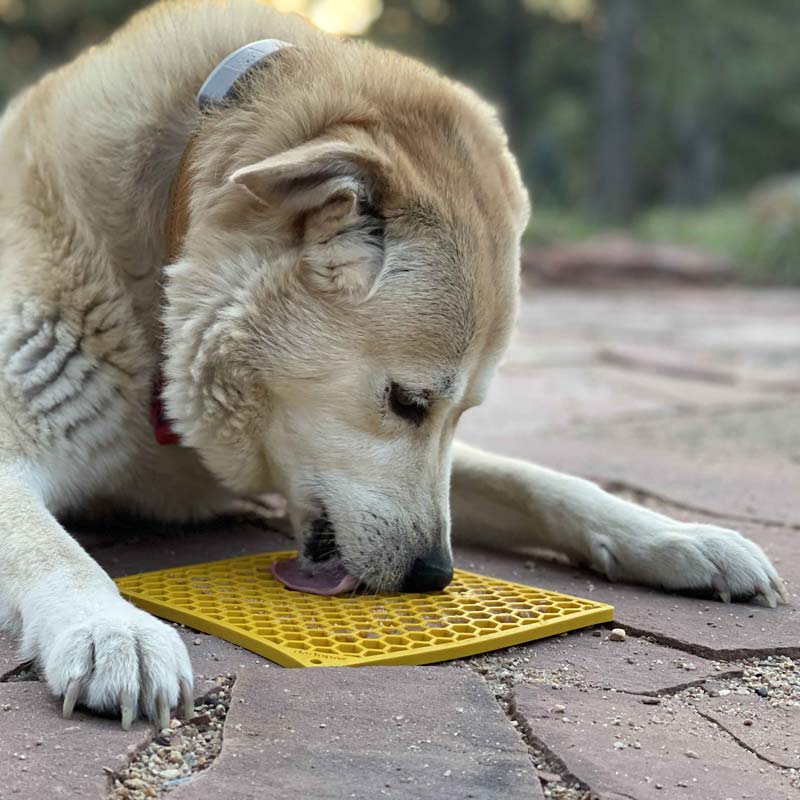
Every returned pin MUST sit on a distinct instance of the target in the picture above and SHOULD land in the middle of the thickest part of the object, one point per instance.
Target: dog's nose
(429, 573)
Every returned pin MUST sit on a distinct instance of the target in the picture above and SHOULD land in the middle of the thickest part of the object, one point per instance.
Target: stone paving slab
(736, 462)
(213, 658)
(679, 755)
(673, 362)
(636, 666)
(748, 334)
(570, 396)
(526, 399)
(769, 729)
(45, 756)
(404, 733)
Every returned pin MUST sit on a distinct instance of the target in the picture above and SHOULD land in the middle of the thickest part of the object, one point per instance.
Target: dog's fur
(346, 287)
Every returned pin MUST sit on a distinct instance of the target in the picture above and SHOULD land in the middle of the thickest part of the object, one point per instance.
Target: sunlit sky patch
(335, 16)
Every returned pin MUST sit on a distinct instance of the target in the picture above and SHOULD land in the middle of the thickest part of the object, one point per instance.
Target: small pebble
(691, 754)
(747, 722)
(651, 701)
(170, 774)
(549, 777)
(617, 635)
(762, 691)
(164, 736)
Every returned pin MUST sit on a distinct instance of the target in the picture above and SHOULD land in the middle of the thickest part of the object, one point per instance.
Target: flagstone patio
(685, 399)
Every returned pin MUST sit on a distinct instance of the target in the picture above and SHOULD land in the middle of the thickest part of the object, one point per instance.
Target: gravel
(177, 752)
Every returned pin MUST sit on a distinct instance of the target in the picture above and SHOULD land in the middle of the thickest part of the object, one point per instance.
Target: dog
(342, 285)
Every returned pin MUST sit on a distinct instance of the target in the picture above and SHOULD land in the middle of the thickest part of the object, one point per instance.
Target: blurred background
(654, 134)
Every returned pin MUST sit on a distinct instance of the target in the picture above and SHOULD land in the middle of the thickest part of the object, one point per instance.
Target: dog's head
(341, 301)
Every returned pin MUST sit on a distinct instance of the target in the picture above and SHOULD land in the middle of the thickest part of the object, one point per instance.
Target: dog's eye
(407, 405)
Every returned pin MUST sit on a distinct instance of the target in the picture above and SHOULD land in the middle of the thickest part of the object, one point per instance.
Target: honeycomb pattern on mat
(239, 600)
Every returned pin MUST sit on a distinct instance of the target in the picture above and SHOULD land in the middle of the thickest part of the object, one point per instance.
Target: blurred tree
(721, 107)
(613, 195)
(36, 35)
(529, 57)
(615, 105)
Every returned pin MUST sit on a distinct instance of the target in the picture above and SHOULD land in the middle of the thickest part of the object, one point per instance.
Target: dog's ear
(330, 191)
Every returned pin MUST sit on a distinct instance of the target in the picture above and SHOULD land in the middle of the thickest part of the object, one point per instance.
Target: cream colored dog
(344, 291)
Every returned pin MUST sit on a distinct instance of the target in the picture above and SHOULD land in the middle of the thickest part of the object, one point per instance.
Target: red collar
(174, 233)
(162, 426)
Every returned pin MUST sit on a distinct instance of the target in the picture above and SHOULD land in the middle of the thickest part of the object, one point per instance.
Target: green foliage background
(710, 107)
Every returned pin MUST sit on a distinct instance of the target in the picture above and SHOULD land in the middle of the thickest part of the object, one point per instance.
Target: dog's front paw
(691, 557)
(114, 659)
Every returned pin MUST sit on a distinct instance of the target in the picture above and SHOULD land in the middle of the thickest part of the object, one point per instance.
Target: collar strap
(222, 87)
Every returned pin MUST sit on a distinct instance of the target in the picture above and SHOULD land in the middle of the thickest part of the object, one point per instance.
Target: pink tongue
(327, 581)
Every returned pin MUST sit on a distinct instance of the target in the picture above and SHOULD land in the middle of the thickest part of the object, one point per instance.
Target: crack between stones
(160, 787)
(709, 652)
(708, 375)
(739, 741)
(669, 691)
(614, 485)
(534, 746)
(12, 675)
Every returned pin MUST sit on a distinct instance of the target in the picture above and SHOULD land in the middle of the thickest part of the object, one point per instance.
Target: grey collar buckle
(220, 86)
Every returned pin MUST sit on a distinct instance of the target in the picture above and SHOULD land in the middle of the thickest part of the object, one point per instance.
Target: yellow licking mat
(239, 600)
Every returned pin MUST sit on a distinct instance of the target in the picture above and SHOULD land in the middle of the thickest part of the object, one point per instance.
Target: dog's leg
(510, 503)
(93, 647)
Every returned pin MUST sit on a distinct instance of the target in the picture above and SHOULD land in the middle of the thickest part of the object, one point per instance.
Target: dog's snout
(429, 573)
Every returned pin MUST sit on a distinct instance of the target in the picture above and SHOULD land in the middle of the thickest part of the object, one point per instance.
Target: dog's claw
(71, 697)
(162, 707)
(780, 588)
(127, 706)
(766, 596)
(722, 588)
(187, 699)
